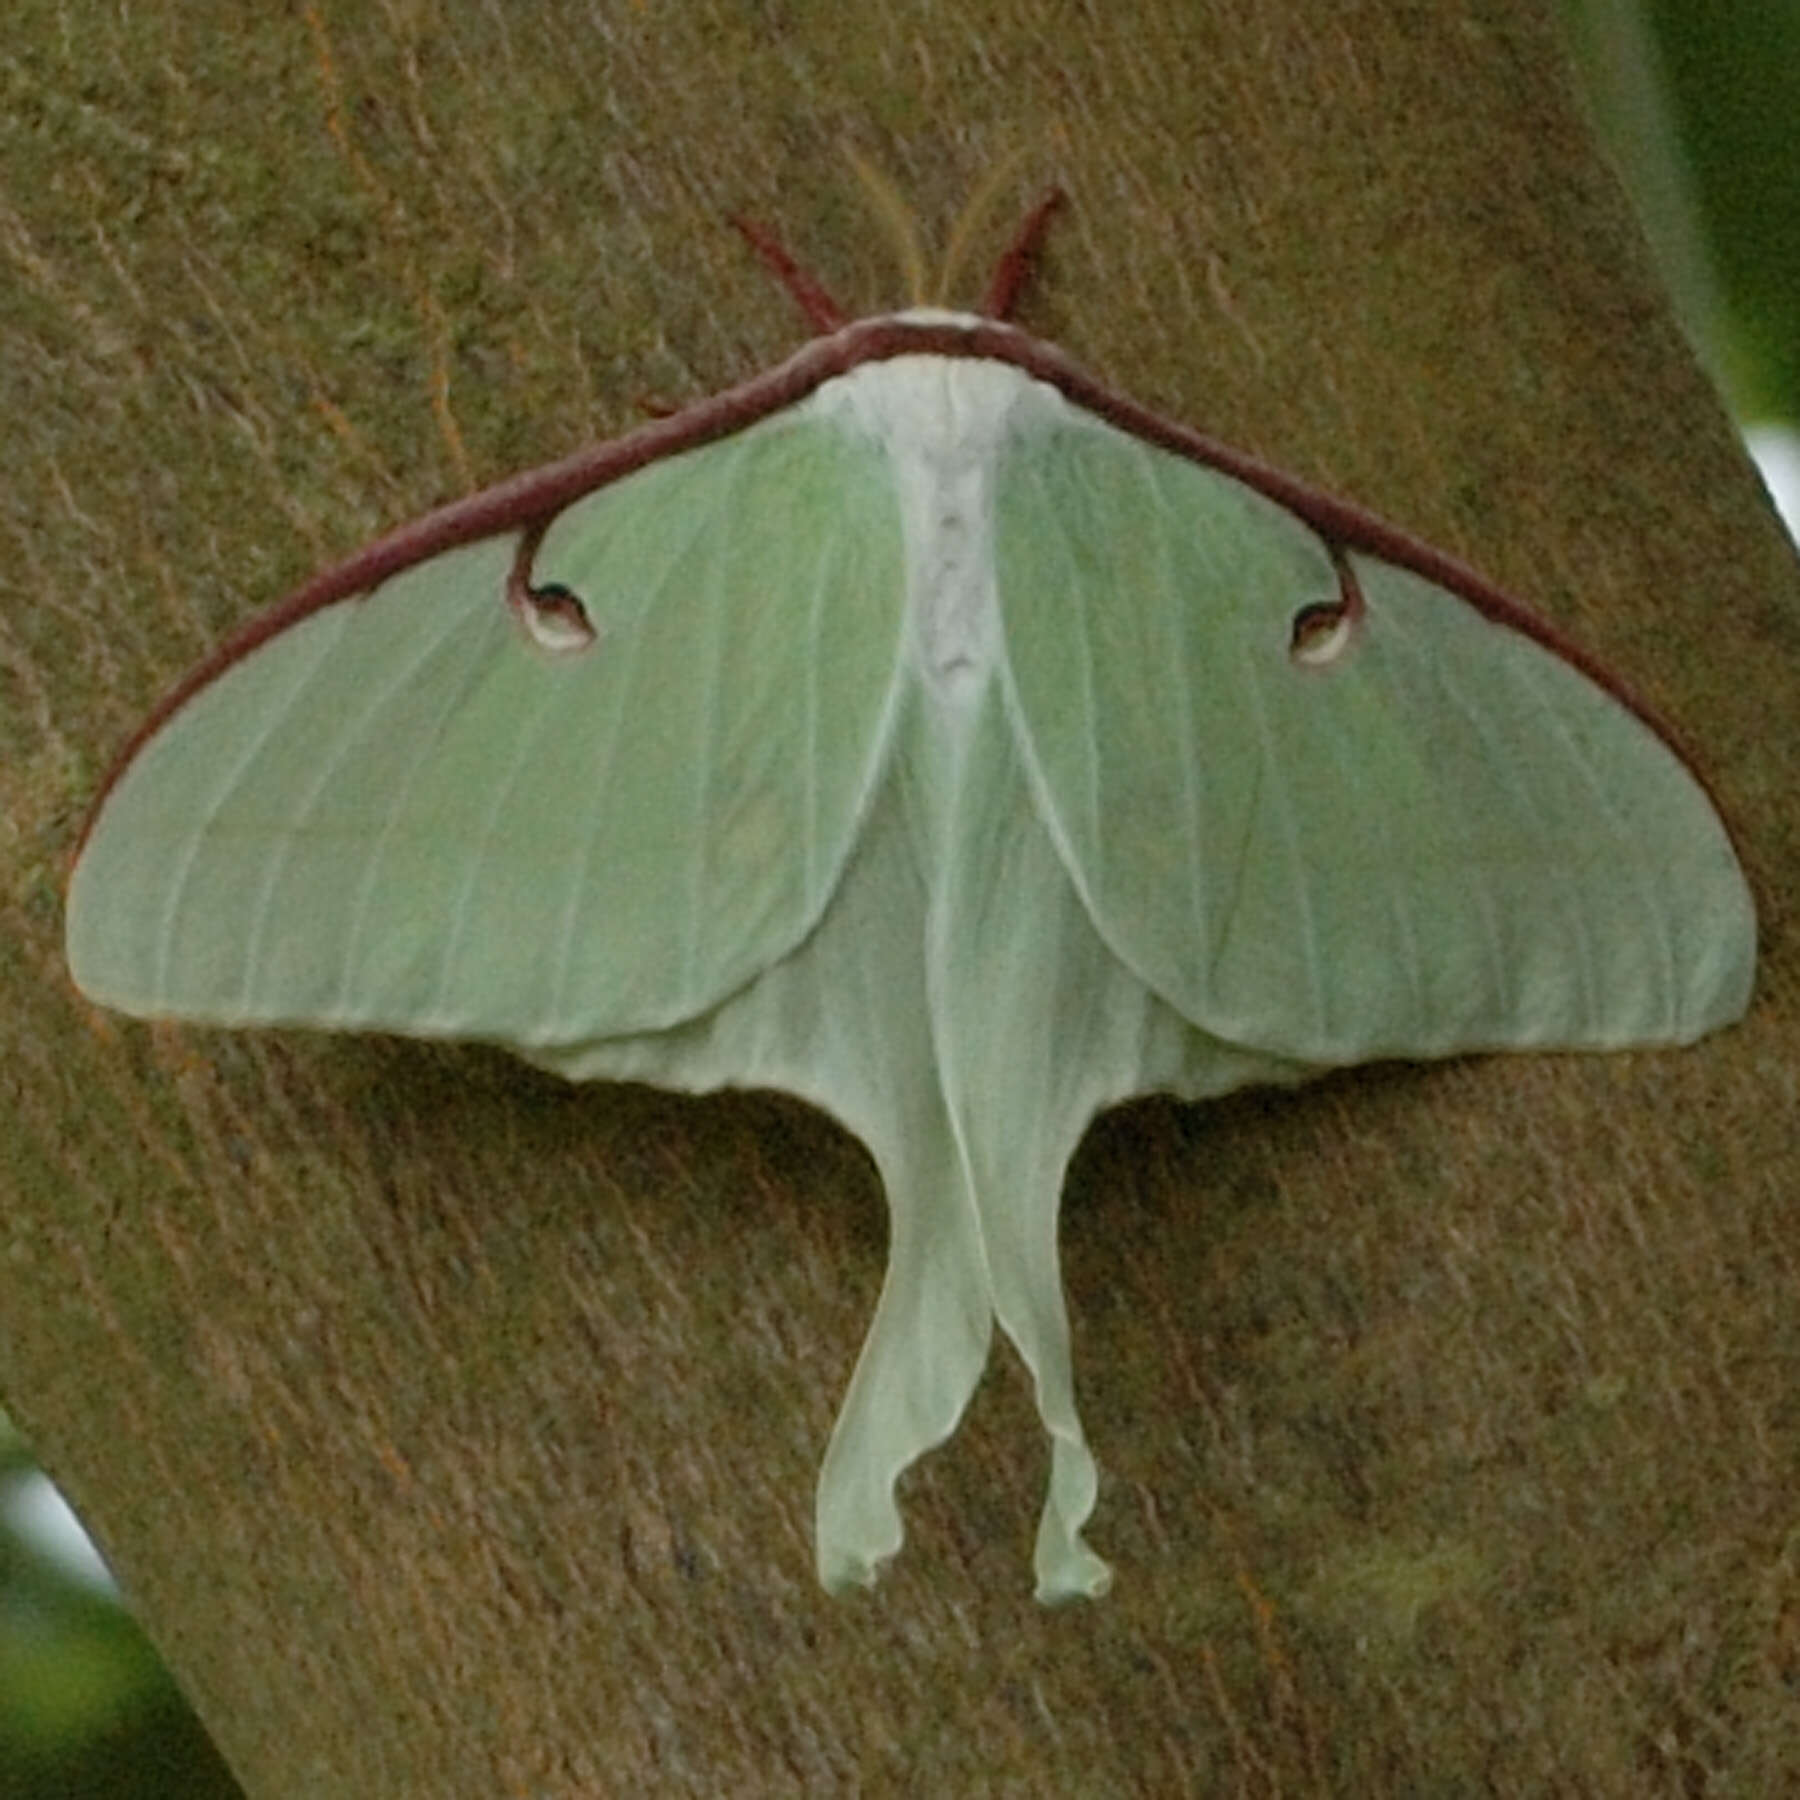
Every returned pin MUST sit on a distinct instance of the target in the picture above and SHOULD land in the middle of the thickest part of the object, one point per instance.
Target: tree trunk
(453, 1431)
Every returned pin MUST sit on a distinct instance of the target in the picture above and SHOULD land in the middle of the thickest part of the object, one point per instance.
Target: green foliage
(86, 1708)
(1698, 105)
(1733, 75)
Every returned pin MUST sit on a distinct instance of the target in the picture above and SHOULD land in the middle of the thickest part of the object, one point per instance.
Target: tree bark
(453, 1431)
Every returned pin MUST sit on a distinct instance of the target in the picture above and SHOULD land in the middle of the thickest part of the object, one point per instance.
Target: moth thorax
(951, 595)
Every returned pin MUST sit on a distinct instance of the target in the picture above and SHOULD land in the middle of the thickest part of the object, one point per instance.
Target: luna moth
(925, 729)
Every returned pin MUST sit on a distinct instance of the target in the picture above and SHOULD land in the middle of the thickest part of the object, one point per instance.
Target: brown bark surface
(454, 1432)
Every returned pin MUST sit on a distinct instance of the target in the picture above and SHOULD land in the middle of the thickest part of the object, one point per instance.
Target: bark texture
(454, 1432)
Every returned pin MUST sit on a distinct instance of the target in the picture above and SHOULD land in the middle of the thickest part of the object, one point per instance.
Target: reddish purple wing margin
(526, 502)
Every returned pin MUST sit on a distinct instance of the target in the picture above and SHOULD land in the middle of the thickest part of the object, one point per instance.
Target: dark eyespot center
(1321, 633)
(555, 619)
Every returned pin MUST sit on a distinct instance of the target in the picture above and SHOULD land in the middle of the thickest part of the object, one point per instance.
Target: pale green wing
(1038, 1025)
(401, 812)
(1444, 838)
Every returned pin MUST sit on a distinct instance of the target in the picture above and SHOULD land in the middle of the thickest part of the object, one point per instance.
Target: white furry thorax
(942, 421)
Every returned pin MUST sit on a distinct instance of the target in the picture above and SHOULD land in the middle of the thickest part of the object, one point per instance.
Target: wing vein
(625, 646)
